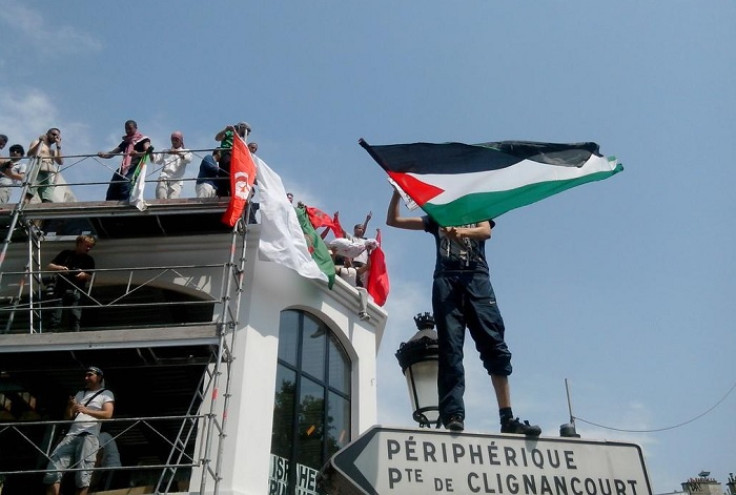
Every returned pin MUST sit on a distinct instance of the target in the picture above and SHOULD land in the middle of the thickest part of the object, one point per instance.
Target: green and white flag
(283, 238)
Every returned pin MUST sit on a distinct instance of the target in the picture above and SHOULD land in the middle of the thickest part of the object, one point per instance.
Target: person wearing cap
(174, 161)
(226, 136)
(78, 448)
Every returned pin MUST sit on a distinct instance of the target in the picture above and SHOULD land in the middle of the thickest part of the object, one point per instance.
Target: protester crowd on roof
(136, 150)
(350, 252)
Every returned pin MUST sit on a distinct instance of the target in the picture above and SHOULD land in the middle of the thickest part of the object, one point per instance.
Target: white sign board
(422, 461)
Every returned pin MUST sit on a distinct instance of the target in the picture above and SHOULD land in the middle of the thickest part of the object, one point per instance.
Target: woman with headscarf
(174, 161)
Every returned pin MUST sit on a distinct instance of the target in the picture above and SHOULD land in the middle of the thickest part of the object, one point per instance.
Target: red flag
(242, 176)
(319, 218)
(378, 285)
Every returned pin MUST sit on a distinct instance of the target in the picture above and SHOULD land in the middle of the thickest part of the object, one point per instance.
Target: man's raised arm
(394, 219)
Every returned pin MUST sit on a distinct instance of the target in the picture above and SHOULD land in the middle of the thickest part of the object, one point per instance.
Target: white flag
(282, 240)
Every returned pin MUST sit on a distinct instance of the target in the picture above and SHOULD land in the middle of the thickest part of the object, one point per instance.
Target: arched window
(311, 414)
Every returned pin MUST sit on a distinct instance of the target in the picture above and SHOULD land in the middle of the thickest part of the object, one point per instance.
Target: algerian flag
(282, 239)
(317, 247)
(459, 184)
(139, 182)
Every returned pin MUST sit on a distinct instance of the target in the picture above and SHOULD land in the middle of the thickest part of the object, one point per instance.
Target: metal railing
(35, 291)
(16, 436)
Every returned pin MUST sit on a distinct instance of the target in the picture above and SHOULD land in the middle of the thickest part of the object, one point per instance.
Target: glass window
(313, 350)
(312, 403)
(282, 435)
(339, 367)
(288, 343)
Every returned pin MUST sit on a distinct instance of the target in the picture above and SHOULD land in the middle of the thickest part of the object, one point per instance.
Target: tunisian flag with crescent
(242, 177)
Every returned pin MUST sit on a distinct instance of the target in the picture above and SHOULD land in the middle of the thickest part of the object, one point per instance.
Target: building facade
(231, 375)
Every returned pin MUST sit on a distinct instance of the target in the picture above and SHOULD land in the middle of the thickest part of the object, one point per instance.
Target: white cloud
(25, 114)
(33, 30)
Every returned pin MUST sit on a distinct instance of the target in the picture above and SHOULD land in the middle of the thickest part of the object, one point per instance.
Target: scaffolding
(24, 303)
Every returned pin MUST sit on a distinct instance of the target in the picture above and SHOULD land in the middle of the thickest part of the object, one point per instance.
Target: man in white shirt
(174, 161)
(78, 448)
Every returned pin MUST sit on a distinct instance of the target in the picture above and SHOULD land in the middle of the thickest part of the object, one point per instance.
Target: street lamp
(418, 359)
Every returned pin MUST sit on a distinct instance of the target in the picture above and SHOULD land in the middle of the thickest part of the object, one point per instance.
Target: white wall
(270, 289)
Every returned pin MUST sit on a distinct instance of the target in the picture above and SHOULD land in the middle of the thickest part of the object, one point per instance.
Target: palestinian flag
(459, 184)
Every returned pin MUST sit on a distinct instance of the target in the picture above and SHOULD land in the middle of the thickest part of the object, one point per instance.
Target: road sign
(421, 461)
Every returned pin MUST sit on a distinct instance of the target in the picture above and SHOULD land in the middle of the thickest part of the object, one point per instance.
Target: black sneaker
(515, 425)
(455, 423)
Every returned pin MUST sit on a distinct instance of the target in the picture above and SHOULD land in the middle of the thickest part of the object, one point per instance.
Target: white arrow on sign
(421, 461)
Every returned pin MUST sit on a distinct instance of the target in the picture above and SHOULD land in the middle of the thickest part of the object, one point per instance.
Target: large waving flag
(459, 184)
(378, 285)
(242, 176)
(282, 239)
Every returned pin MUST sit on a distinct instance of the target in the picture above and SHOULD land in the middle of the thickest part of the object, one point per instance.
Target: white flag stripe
(136, 193)
(282, 240)
(521, 174)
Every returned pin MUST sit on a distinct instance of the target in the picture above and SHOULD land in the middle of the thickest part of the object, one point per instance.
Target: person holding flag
(136, 149)
(226, 138)
(462, 296)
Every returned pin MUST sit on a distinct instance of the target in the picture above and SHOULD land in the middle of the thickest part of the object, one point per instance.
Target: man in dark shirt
(134, 147)
(226, 136)
(74, 271)
(462, 296)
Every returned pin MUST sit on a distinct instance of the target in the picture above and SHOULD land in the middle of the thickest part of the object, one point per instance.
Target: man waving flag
(460, 184)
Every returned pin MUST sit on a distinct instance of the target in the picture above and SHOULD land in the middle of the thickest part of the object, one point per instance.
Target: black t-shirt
(76, 263)
(135, 160)
(468, 255)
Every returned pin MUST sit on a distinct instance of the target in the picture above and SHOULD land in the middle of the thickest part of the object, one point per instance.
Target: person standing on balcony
(45, 177)
(11, 172)
(74, 271)
(174, 161)
(134, 147)
(78, 448)
(226, 137)
(207, 179)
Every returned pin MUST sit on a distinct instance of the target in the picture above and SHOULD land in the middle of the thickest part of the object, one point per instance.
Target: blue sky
(624, 287)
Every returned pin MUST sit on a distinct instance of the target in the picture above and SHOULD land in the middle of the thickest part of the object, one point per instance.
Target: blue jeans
(460, 300)
(69, 298)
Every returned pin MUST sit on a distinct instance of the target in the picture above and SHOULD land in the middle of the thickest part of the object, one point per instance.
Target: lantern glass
(421, 378)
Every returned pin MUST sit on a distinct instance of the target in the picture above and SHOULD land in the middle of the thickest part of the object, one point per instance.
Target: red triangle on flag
(419, 191)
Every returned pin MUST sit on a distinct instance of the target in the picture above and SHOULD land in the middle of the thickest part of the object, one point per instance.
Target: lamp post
(418, 359)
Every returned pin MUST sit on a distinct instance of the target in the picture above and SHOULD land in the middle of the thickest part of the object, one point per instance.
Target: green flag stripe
(477, 207)
(320, 253)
